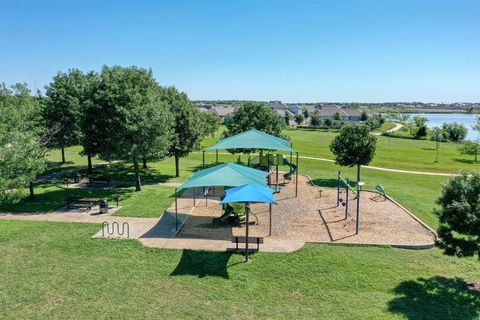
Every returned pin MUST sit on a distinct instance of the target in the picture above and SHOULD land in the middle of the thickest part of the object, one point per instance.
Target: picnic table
(82, 202)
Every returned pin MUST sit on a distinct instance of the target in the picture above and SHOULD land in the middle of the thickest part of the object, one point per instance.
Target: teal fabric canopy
(253, 139)
(226, 175)
(249, 193)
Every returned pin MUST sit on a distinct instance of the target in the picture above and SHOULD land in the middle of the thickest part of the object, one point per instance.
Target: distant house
(295, 109)
(346, 114)
(222, 112)
(203, 109)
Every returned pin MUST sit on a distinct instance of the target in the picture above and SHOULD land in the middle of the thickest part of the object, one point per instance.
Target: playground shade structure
(226, 175)
(247, 194)
(253, 139)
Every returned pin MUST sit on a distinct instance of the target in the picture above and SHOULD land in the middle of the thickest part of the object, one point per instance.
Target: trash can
(77, 178)
(103, 206)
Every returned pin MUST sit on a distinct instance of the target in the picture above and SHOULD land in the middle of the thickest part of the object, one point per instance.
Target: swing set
(344, 183)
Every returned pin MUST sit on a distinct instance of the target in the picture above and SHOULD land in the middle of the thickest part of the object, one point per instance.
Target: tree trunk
(63, 155)
(144, 163)
(138, 185)
(177, 169)
(476, 157)
(89, 158)
(32, 194)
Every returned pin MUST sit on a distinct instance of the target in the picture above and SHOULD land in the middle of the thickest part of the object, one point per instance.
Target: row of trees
(119, 113)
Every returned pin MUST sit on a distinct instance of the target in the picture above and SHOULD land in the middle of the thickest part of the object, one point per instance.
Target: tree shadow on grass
(330, 183)
(203, 263)
(436, 298)
(467, 161)
(50, 200)
(125, 172)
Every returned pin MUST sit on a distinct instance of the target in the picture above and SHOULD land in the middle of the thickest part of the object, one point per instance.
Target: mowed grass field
(54, 270)
(394, 153)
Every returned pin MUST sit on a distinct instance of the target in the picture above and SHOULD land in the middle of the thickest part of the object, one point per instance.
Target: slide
(224, 217)
(293, 169)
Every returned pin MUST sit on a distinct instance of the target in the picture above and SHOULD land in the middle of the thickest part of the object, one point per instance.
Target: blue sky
(295, 51)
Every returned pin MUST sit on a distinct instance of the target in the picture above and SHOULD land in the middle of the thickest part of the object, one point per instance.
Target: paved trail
(375, 168)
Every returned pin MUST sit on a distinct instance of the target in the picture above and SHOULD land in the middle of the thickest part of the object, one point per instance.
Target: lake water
(437, 119)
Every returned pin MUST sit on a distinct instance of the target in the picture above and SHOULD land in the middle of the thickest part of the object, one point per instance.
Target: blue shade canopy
(226, 175)
(249, 193)
(253, 139)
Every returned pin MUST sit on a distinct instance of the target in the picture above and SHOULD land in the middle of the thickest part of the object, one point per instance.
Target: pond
(437, 119)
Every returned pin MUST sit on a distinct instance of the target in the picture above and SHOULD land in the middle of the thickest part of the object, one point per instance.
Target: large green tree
(129, 117)
(90, 135)
(21, 141)
(354, 146)
(210, 123)
(459, 215)
(187, 125)
(255, 115)
(471, 148)
(63, 109)
(455, 131)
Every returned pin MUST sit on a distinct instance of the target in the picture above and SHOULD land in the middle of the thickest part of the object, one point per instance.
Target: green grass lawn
(149, 203)
(395, 153)
(55, 270)
(386, 126)
(72, 157)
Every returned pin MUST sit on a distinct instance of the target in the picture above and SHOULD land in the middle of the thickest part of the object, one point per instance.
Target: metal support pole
(246, 232)
(176, 211)
(357, 222)
(296, 179)
(194, 197)
(346, 200)
(203, 159)
(270, 224)
(291, 152)
(338, 189)
(276, 177)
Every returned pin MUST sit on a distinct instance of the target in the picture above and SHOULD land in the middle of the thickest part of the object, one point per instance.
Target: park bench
(381, 190)
(257, 240)
(99, 182)
(82, 202)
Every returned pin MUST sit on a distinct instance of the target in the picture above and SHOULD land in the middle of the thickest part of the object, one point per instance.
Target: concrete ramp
(165, 227)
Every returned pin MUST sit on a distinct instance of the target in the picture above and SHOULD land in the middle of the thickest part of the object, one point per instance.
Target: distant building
(346, 114)
(222, 112)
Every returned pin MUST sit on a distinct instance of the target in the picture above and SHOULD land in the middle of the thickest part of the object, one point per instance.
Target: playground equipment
(234, 213)
(381, 190)
(267, 161)
(348, 188)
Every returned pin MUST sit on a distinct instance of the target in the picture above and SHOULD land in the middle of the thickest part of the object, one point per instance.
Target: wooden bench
(101, 182)
(257, 240)
(82, 202)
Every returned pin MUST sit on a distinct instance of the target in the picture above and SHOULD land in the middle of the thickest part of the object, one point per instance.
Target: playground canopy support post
(194, 197)
(296, 178)
(357, 220)
(246, 231)
(176, 211)
(338, 189)
(270, 223)
(203, 159)
(346, 199)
